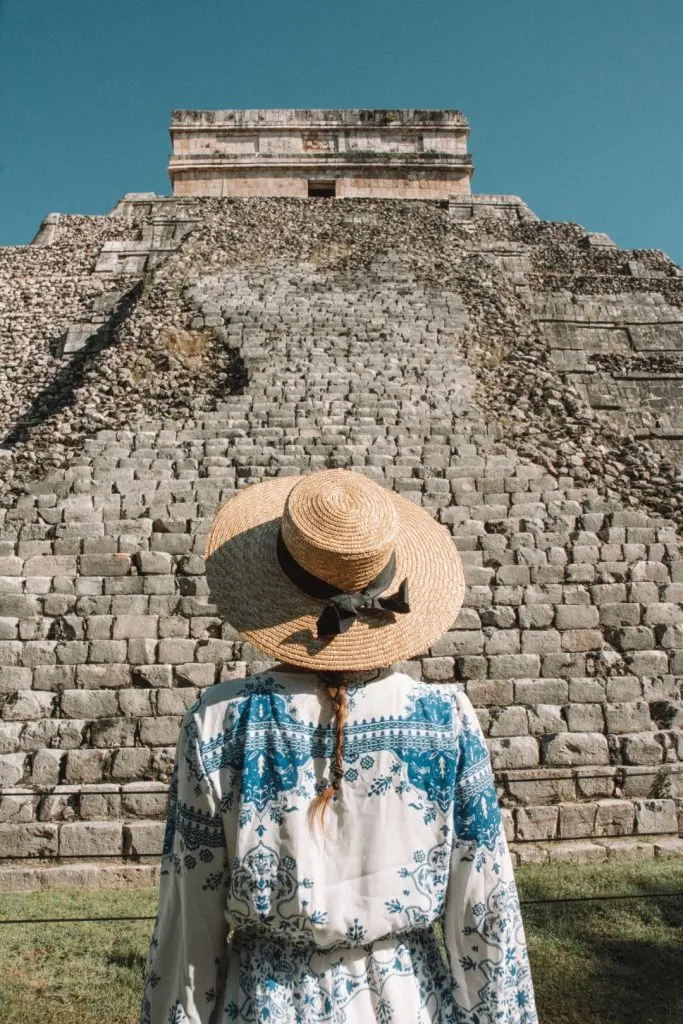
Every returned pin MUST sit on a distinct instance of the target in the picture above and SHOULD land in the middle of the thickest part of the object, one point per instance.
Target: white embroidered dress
(262, 920)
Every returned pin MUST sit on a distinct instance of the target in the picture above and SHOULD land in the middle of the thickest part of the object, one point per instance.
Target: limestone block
(615, 615)
(154, 563)
(10, 652)
(86, 766)
(577, 820)
(574, 616)
(100, 806)
(90, 838)
(143, 838)
(178, 652)
(655, 816)
(513, 752)
(39, 652)
(574, 748)
(161, 731)
(644, 571)
(614, 818)
(135, 626)
(508, 721)
(46, 767)
(438, 669)
(22, 840)
(577, 852)
(112, 732)
(582, 640)
(585, 718)
(541, 790)
(50, 565)
(145, 805)
(19, 606)
(175, 702)
(546, 718)
(89, 704)
(490, 692)
(501, 641)
(458, 642)
(142, 651)
(621, 849)
(628, 717)
(9, 629)
(194, 675)
(623, 688)
(669, 848)
(108, 651)
(536, 616)
(11, 566)
(136, 703)
(74, 652)
(541, 641)
(649, 663)
(664, 612)
(514, 666)
(11, 769)
(104, 565)
(28, 706)
(541, 691)
(16, 808)
(130, 763)
(631, 638)
(171, 543)
(215, 651)
(671, 637)
(641, 749)
(586, 691)
(536, 822)
(13, 678)
(102, 677)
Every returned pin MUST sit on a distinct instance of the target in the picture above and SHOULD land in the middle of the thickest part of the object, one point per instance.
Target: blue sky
(576, 105)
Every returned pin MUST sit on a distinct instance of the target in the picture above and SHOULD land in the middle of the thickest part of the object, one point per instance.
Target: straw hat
(331, 571)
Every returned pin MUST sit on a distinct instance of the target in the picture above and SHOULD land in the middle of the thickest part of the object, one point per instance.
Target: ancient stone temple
(381, 154)
(521, 379)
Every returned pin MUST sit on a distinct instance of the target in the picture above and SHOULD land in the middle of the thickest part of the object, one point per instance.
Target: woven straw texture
(342, 527)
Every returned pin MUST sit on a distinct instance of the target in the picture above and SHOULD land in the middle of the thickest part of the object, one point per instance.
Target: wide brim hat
(341, 527)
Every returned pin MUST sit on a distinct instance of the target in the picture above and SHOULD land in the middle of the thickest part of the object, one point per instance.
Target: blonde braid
(337, 692)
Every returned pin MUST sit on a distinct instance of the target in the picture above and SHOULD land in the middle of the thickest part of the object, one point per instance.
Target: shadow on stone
(60, 391)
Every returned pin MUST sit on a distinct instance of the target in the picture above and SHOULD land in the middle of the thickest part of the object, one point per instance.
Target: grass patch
(617, 962)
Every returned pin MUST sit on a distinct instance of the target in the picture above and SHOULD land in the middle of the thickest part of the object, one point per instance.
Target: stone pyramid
(521, 379)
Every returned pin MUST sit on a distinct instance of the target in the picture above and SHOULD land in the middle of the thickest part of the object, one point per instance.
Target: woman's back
(335, 924)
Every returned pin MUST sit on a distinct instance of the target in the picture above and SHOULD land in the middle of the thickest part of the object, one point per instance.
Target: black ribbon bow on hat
(343, 607)
(342, 611)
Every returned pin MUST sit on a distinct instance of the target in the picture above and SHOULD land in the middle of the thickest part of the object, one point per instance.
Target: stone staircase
(570, 643)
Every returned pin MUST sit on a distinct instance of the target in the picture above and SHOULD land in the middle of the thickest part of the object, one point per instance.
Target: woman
(326, 814)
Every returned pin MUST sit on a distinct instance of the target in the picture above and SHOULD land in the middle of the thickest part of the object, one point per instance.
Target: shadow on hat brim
(252, 592)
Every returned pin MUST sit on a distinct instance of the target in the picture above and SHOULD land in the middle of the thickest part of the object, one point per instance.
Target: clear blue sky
(576, 105)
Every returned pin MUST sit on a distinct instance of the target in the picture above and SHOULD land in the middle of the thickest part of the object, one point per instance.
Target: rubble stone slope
(517, 378)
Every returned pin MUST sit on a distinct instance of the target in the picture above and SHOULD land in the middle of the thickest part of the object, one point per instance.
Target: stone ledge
(78, 876)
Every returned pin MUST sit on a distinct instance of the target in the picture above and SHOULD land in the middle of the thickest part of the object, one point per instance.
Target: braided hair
(336, 689)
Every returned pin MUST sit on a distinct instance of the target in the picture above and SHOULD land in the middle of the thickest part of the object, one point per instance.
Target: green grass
(615, 962)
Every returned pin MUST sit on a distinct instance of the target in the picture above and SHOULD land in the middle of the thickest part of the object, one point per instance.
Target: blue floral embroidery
(264, 888)
(477, 814)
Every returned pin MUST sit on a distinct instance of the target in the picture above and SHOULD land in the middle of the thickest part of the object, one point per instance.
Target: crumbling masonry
(520, 379)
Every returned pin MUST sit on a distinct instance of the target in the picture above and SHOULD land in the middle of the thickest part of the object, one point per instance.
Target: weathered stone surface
(91, 838)
(570, 639)
(575, 749)
(654, 816)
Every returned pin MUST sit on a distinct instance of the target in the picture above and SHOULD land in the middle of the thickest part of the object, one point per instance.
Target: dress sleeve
(188, 954)
(482, 923)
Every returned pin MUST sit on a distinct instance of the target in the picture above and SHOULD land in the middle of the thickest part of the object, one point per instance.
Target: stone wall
(395, 154)
(450, 352)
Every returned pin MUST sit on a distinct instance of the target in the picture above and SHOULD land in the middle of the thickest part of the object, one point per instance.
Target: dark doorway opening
(322, 189)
